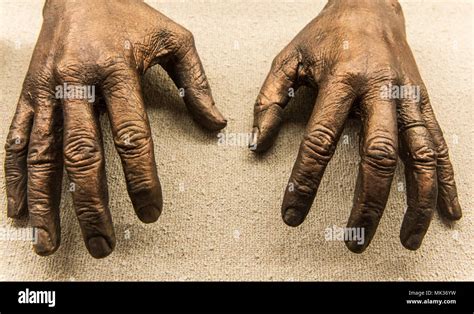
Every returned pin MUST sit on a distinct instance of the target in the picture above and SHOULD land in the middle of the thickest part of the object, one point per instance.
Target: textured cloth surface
(221, 219)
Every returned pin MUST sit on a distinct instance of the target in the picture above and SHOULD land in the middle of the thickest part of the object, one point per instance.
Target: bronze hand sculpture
(356, 54)
(83, 45)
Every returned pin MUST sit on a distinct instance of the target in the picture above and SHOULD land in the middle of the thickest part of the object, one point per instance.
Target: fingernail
(293, 217)
(43, 244)
(254, 138)
(98, 247)
(222, 124)
(455, 211)
(220, 121)
(149, 213)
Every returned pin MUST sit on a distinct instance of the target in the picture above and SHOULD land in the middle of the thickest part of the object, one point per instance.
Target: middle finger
(378, 152)
(85, 165)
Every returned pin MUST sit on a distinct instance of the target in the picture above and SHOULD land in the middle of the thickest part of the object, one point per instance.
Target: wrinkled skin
(108, 44)
(349, 53)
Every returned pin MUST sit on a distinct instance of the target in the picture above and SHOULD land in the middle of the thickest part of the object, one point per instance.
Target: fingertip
(212, 119)
(415, 225)
(450, 210)
(253, 143)
(262, 141)
(357, 236)
(356, 247)
(148, 203)
(293, 217)
(267, 127)
(45, 244)
(411, 242)
(220, 124)
(149, 213)
(456, 215)
(100, 247)
(217, 124)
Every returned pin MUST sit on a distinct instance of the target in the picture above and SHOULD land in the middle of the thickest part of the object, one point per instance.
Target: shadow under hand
(300, 107)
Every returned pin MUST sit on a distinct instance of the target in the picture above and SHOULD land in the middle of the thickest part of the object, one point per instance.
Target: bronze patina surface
(356, 55)
(87, 46)
(91, 54)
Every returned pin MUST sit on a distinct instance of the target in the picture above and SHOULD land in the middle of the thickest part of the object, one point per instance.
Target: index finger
(186, 70)
(317, 148)
(273, 98)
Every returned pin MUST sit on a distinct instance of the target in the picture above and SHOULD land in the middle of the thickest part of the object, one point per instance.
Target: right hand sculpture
(107, 44)
(355, 53)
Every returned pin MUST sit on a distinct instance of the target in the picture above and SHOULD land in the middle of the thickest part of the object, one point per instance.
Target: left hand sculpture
(356, 54)
(107, 44)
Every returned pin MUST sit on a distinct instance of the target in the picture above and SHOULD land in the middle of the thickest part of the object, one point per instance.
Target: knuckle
(286, 63)
(91, 213)
(185, 36)
(319, 144)
(141, 185)
(443, 154)
(66, 70)
(38, 84)
(182, 43)
(388, 76)
(371, 212)
(304, 184)
(383, 75)
(425, 213)
(38, 207)
(42, 165)
(14, 175)
(39, 156)
(81, 151)
(132, 140)
(282, 57)
(424, 156)
(277, 60)
(317, 147)
(381, 153)
(419, 216)
(15, 146)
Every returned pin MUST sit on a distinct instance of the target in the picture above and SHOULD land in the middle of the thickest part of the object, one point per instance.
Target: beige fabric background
(222, 205)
